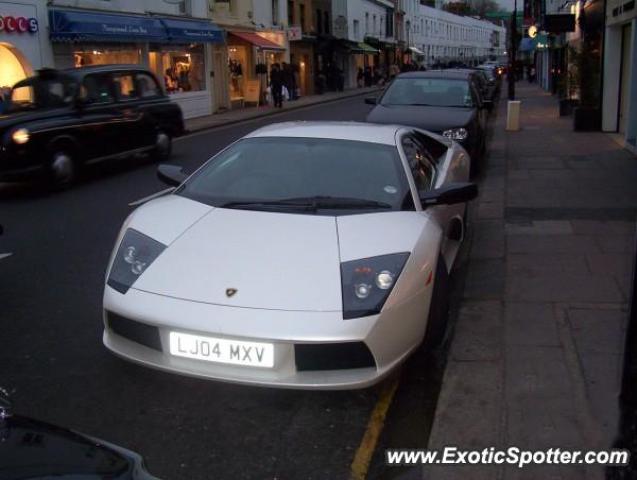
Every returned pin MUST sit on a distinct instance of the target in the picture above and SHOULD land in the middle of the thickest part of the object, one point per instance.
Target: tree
(476, 8)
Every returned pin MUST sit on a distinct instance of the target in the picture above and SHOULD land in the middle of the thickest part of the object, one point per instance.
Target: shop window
(237, 64)
(182, 68)
(13, 69)
(104, 56)
(290, 13)
(97, 89)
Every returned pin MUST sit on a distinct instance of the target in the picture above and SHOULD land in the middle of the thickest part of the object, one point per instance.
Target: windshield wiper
(311, 203)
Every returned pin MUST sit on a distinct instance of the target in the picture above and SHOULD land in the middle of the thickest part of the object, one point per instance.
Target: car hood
(277, 261)
(435, 119)
(274, 260)
(33, 449)
(8, 120)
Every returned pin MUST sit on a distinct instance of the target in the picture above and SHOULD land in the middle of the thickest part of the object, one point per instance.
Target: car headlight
(20, 136)
(366, 283)
(456, 133)
(135, 254)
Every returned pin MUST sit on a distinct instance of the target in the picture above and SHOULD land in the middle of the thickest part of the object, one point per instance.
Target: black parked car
(481, 80)
(446, 102)
(31, 449)
(60, 120)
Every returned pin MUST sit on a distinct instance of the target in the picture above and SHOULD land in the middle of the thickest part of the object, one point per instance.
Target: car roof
(357, 131)
(102, 68)
(435, 74)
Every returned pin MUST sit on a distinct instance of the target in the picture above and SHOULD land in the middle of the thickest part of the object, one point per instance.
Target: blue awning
(527, 45)
(76, 26)
(86, 26)
(192, 31)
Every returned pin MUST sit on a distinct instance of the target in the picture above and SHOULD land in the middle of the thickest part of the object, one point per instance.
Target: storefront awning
(417, 51)
(359, 47)
(257, 41)
(527, 45)
(192, 31)
(76, 26)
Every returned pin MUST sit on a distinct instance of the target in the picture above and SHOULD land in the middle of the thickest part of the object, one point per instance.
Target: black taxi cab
(58, 121)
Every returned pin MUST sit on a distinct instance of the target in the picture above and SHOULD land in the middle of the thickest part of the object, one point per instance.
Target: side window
(147, 86)
(125, 86)
(421, 167)
(96, 90)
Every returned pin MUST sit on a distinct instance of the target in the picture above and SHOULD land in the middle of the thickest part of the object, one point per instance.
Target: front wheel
(62, 169)
(163, 146)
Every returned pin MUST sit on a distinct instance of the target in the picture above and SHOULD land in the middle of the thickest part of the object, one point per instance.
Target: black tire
(63, 168)
(163, 146)
(438, 308)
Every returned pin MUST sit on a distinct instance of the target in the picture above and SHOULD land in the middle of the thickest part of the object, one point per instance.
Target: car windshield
(38, 93)
(436, 92)
(303, 175)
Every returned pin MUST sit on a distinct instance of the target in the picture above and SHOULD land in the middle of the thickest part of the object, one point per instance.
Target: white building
(619, 101)
(24, 40)
(369, 27)
(435, 35)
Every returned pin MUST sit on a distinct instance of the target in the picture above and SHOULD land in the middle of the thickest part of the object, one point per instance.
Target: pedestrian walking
(276, 85)
(359, 78)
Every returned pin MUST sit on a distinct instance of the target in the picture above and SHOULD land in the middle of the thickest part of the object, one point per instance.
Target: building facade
(24, 41)
(619, 94)
(366, 28)
(434, 36)
(171, 39)
(256, 39)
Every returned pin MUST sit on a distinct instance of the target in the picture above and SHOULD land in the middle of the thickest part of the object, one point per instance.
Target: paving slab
(534, 360)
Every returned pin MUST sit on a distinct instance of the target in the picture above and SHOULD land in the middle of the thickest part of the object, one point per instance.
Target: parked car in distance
(446, 102)
(60, 120)
(493, 78)
(330, 270)
(486, 88)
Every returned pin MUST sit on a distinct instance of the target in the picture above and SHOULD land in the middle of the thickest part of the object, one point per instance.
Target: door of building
(220, 79)
(624, 90)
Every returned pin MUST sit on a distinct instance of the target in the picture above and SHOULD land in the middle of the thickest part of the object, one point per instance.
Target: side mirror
(172, 175)
(371, 100)
(449, 194)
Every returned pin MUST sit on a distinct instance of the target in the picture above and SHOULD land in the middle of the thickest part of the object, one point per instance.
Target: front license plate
(222, 350)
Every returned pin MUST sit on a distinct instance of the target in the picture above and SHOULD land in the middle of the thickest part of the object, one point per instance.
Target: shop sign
(11, 24)
(295, 33)
(559, 23)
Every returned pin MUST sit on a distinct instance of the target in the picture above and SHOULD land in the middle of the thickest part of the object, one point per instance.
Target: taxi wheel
(62, 169)
(438, 308)
(163, 146)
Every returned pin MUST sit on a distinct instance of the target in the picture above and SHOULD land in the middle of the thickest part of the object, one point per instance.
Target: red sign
(11, 24)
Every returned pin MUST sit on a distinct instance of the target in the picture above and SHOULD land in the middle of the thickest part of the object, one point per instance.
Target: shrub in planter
(586, 59)
(587, 119)
(567, 105)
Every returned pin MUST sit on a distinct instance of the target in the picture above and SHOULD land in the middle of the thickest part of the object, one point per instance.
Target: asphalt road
(51, 351)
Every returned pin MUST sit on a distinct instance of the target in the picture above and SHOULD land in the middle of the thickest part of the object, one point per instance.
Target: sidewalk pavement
(536, 353)
(239, 115)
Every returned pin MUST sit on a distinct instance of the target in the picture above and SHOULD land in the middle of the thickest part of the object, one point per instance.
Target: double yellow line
(365, 451)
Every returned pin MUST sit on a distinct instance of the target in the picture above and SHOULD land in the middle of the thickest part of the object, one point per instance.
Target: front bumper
(18, 164)
(390, 336)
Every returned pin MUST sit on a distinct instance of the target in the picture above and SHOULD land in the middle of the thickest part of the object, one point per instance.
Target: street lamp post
(513, 51)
